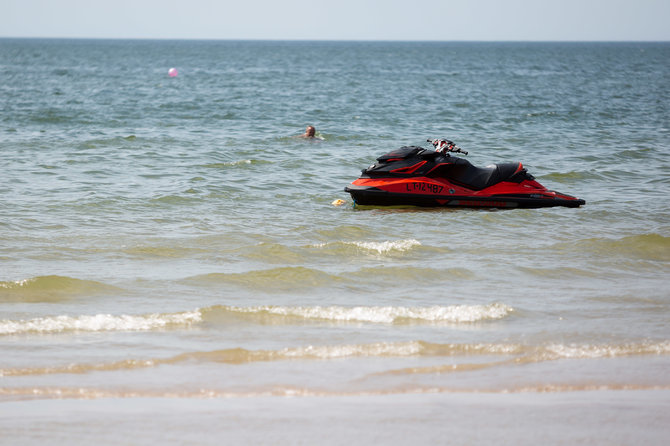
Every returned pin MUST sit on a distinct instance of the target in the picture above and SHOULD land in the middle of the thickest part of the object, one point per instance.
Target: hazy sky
(339, 19)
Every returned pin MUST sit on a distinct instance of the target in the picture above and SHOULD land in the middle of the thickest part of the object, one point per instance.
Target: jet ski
(415, 176)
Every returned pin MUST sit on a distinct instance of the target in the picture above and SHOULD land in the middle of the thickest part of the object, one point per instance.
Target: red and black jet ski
(414, 176)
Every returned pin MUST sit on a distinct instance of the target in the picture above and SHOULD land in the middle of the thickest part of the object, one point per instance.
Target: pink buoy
(172, 72)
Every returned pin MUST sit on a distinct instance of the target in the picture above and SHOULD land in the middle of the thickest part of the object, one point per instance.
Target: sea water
(172, 268)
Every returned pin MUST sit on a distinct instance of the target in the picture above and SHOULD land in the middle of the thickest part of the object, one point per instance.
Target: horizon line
(230, 39)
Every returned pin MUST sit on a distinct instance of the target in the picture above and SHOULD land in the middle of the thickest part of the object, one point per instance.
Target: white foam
(98, 322)
(354, 350)
(588, 351)
(17, 283)
(388, 315)
(388, 246)
(379, 247)
(237, 163)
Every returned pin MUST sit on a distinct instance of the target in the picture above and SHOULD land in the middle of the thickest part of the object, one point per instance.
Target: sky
(441, 20)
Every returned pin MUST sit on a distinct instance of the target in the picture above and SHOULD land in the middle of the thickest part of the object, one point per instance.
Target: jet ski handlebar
(444, 145)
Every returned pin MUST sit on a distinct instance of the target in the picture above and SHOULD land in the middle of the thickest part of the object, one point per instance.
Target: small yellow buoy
(339, 202)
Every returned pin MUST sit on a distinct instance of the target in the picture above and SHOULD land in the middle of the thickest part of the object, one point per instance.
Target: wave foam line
(98, 322)
(520, 355)
(384, 247)
(277, 314)
(90, 393)
(529, 355)
(379, 315)
(388, 246)
(446, 368)
(243, 356)
(590, 351)
(229, 164)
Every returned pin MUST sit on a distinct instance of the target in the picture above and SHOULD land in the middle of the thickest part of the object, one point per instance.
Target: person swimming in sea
(310, 133)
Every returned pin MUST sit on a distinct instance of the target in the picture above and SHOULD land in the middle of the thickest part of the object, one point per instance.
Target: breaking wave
(284, 278)
(385, 247)
(366, 314)
(294, 278)
(653, 247)
(266, 315)
(98, 322)
(51, 289)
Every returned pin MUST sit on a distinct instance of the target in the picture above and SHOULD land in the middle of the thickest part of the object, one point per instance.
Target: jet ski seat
(478, 178)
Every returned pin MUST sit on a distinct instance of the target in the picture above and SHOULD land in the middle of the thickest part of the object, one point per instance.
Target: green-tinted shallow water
(167, 247)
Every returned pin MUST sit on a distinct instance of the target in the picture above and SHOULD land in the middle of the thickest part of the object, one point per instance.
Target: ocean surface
(173, 268)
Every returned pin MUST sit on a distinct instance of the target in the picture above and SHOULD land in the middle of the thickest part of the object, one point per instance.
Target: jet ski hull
(370, 196)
